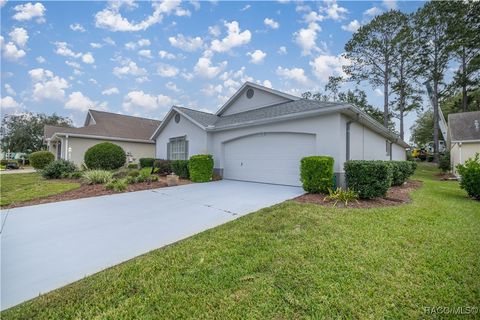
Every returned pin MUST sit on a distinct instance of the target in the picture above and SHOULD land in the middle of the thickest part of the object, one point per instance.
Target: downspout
(66, 147)
(347, 136)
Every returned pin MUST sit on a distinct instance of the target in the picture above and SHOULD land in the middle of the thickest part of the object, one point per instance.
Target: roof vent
(477, 125)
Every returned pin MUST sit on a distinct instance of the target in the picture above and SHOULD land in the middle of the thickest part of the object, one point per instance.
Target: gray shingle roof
(462, 126)
(270, 112)
(111, 125)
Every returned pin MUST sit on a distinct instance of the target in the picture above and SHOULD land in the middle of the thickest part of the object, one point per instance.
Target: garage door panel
(269, 157)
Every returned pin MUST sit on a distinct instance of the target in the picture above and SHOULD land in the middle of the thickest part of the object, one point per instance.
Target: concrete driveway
(47, 246)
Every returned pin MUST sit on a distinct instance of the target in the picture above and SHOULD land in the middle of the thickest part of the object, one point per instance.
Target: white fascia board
(167, 119)
(87, 136)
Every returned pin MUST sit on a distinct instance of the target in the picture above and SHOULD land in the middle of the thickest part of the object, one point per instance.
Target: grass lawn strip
(296, 260)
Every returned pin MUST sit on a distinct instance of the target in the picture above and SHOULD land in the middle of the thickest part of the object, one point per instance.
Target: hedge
(105, 156)
(58, 169)
(146, 162)
(371, 179)
(200, 167)
(180, 168)
(470, 176)
(40, 159)
(316, 173)
(401, 170)
(161, 167)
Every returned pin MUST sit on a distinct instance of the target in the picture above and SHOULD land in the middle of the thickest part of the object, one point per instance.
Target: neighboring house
(131, 133)
(261, 134)
(464, 136)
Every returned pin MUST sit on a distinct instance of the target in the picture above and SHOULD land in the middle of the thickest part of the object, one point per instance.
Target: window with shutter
(177, 148)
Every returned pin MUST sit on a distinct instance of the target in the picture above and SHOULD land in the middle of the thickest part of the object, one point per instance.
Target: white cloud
(204, 66)
(95, 45)
(2, 3)
(172, 86)
(313, 16)
(9, 90)
(166, 55)
(10, 51)
(110, 91)
(111, 19)
(214, 31)
(211, 89)
(271, 23)
(166, 70)
(282, 50)
(378, 92)
(109, 41)
(19, 36)
(390, 4)
(63, 49)
(77, 27)
(334, 11)
(77, 101)
(29, 11)
(186, 43)
(88, 58)
(145, 53)
(267, 83)
(297, 74)
(306, 38)
(257, 56)
(129, 67)
(93, 81)
(46, 85)
(325, 66)
(73, 64)
(187, 75)
(9, 103)
(234, 38)
(139, 43)
(135, 100)
(352, 26)
(373, 11)
(40, 59)
(246, 7)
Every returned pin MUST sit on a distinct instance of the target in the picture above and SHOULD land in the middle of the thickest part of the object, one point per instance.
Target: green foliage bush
(180, 168)
(413, 167)
(4, 162)
(200, 167)
(401, 170)
(117, 185)
(58, 169)
(132, 166)
(444, 163)
(146, 162)
(162, 167)
(40, 159)
(343, 195)
(470, 176)
(105, 156)
(97, 176)
(316, 173)
(371, 179)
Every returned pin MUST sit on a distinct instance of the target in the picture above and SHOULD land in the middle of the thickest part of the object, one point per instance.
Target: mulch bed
(396, 195)
(87, 191)
(446, 176)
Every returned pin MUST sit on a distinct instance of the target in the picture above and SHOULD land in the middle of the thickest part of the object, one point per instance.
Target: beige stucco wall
(458, 154)
(81, 145)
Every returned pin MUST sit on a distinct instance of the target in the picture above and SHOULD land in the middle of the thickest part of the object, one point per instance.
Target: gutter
(64, 134)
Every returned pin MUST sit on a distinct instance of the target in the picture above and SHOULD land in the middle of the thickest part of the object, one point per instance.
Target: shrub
(40, 159)
(132, 166)
(444, 163)
(200, 167)
(117, 185)
(146, 162)
(97, 176)
(470, 176)
(74, 175)
(106, 156)
(133, 173)
(370, 179)
(401, 170)
(316, 173)
(180, 168)
(58, 169)
(4, 162)
(162, 167)
(413, 167)
(343, 195)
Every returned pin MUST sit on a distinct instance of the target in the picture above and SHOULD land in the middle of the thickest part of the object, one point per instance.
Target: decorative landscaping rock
(172, 180)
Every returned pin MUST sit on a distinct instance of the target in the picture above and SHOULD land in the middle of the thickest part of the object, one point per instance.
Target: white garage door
(268, 157)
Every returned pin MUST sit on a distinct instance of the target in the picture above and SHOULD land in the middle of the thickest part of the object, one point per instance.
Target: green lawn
(296, 260)
(18, 187)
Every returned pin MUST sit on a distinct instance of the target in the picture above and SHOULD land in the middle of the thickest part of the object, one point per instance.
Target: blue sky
(140, 58)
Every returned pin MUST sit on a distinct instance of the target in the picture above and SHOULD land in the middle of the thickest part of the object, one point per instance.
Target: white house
(463, 137)
(261, 134)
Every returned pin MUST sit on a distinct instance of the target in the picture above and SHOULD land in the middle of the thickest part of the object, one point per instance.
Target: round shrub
(161, 167)
(58, 169)
(316, 173)
(400, 172)
(180, 168)
(146, 162)
(200, 167)
(470, 176)
(105, 156)
(370, 178)
(40, 159)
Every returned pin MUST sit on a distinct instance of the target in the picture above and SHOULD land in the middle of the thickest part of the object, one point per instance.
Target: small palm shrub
(58, 169)
(97, 176)
(40, 159)
(105, 156)
(316, 173)
(117, 185)
(200, 167)
(343, 195)
(470, 176)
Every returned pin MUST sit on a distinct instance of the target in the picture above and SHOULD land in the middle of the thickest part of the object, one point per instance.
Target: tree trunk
(464, 81)
(435, 120)
(401, 123)
(385, 97)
